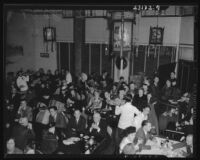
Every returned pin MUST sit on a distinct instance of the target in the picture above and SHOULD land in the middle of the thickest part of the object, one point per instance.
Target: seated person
(21, 81)
(186, 123)
(141, 117)
(119, 99)
(140, 100)
(127, 146)
(98, 127)
(113, 92)
(109, 145)
(23, 133)
(132, 89)
(143, 134)
(49, 143)
(95, 102)
(77, 123)
(72, 98)
(168, 120)
(24, 110)
(11, 148)
(184, 108)
(59, 121)
(188, 143)
(172, 77)
(63, 94)
(176, 93)
(189, 146)
(166, 91)
(155, 88)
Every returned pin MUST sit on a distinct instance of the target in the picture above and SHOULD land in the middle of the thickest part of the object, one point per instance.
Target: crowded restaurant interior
(92, 82)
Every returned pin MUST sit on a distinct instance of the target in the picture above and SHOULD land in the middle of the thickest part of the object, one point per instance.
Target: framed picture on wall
(156, 35)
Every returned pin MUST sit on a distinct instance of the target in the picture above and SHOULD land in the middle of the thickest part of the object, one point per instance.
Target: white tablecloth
(156, 149)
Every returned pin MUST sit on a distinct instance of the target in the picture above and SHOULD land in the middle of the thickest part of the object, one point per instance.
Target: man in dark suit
(98, 128)
(25, 110)
(23, 133)
(59, 121)
(77, 123)
(143, 134)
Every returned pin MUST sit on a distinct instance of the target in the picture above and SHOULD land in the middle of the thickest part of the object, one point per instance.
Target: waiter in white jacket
(127, 113)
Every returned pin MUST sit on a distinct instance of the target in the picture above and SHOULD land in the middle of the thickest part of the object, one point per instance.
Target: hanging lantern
(49, 34)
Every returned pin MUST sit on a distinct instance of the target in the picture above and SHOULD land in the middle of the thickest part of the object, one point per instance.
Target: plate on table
(68, 141)
(75, 139)
(86, 137)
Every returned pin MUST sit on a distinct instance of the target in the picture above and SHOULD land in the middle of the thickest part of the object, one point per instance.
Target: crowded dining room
(110, 81)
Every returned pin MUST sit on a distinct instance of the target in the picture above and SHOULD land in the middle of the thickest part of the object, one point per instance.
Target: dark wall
(93, 58)
(187, 75)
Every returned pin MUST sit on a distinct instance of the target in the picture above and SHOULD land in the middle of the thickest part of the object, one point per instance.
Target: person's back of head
(128, 131)
(128, 98)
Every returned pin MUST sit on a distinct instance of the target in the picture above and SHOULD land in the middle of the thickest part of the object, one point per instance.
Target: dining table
(81, 144)
(165, 147)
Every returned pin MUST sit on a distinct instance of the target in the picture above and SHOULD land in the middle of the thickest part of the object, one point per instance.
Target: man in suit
(77, 123)
(98, 127)
(59, 121)
(143, 134)
(23, 133)
(25, 110)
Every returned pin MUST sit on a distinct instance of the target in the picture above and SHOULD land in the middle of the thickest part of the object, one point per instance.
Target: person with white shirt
(127, 113)
(141, 117)
(68, 77)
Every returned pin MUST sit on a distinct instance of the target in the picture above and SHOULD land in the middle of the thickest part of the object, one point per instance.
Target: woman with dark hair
(140, 100)
(176, 93)
(166, 91)
(172, 77)
(127, 146)
(155, 88)
(11, 149)
(95, 102)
